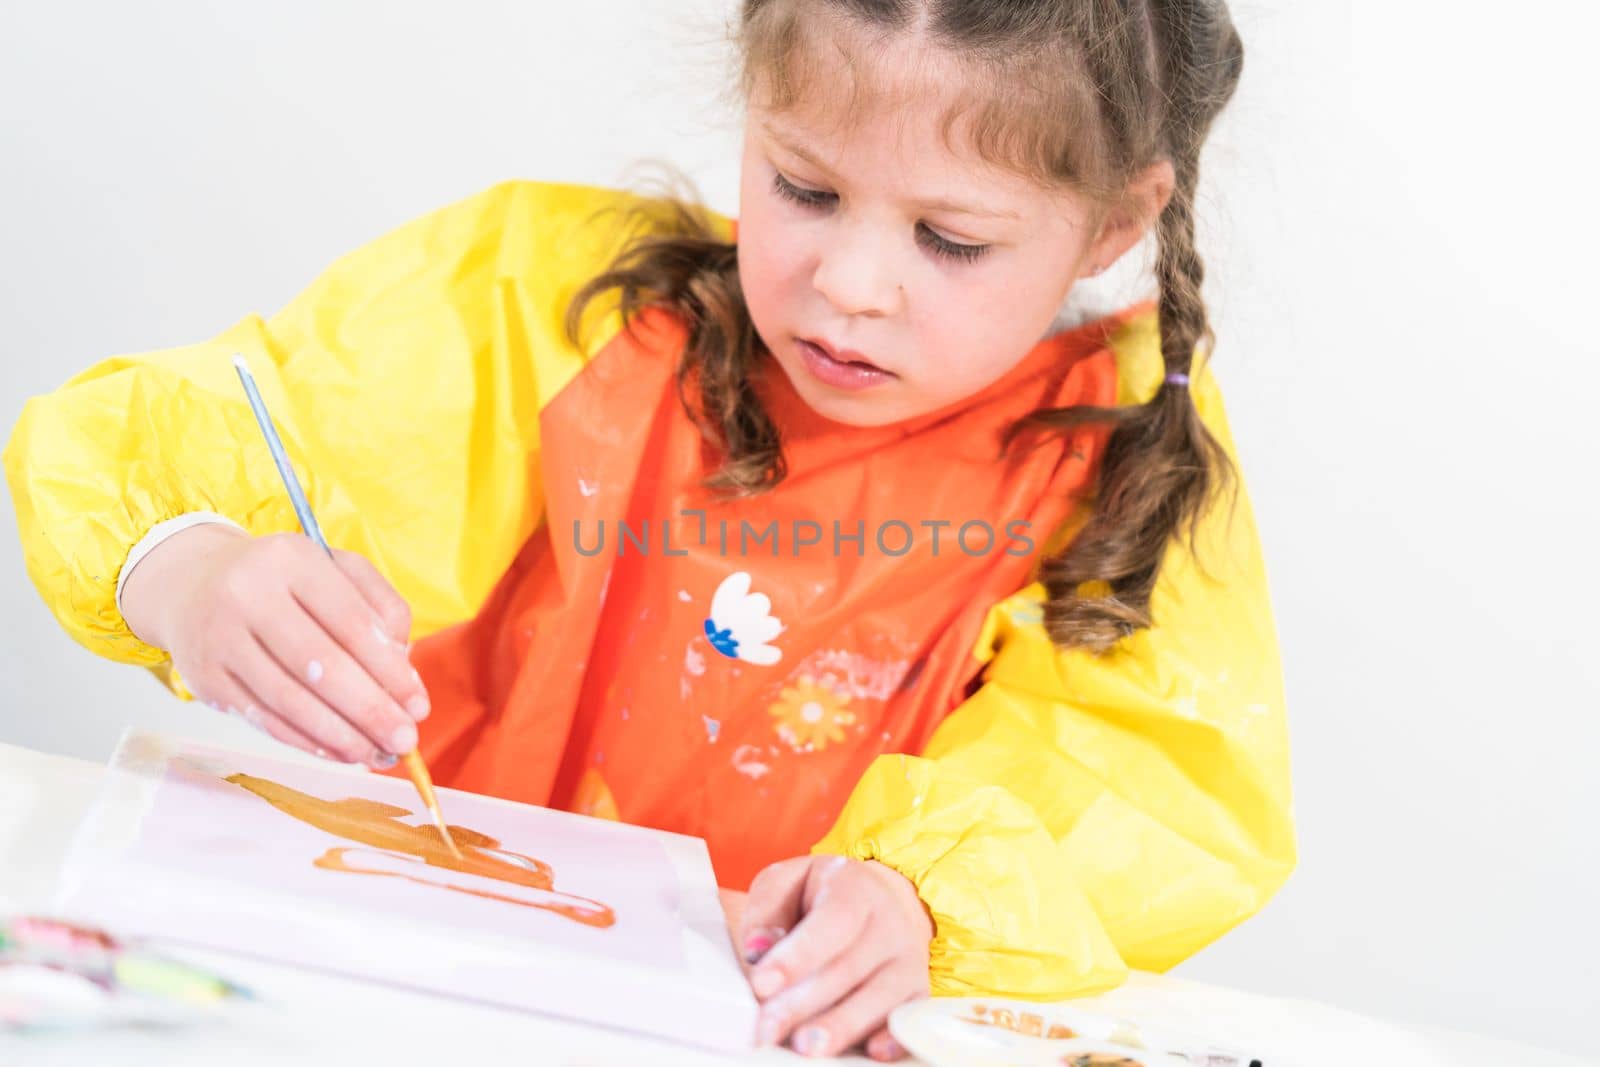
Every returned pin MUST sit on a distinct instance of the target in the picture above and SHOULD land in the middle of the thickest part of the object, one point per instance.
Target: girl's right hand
(309, 648)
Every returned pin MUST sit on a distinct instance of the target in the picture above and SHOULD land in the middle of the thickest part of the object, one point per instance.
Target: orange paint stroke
(378, 825)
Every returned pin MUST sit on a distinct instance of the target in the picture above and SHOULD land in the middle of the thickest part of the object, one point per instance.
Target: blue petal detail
(722, 640)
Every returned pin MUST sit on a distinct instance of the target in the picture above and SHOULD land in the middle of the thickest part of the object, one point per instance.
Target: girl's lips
(839, 371)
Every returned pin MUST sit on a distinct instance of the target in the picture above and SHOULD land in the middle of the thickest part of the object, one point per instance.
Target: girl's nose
(857, 278)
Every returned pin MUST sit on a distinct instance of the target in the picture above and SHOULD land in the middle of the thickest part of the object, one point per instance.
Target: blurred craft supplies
(57, 975)
(415, 767)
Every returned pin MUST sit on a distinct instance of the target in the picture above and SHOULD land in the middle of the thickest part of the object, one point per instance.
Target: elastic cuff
(159, 533)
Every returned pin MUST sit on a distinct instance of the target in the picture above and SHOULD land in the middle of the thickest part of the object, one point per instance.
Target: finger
(772, 906)
(279, 730)
(227, 694)
(882, 1046)
(857, 1015)
(338, 606)
(273, 689)
(831, 924)
(391, 607)
(813, 994)
(321, 666)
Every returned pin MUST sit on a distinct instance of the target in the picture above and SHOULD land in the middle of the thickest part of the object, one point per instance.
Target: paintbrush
(415, 767)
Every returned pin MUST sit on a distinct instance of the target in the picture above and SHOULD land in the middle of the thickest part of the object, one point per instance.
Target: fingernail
(404, 739)
(768, 1029)
(810, 1041)
(381, 634)
(383, 760)
(322, 753)
(418, 707)
(314, 671)
(757, 947)
(886, 1048)
(766, 983)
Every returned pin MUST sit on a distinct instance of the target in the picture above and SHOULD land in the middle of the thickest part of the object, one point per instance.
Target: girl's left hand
(837, 944)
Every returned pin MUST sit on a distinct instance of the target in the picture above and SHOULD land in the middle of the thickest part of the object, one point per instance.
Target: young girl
(938, 622)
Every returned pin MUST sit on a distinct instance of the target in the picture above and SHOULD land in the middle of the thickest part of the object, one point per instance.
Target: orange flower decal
(811, 716)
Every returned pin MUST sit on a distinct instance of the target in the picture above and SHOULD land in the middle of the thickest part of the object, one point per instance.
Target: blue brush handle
(302, 507)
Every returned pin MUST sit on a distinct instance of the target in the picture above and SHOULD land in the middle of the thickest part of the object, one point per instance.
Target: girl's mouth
(842, 370)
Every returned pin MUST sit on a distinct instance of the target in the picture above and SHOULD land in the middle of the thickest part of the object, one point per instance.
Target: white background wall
(1400, 226)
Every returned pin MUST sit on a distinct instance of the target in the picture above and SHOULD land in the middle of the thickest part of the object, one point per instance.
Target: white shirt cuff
(159, 533)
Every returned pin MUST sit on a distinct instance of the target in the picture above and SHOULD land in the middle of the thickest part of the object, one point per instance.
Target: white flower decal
(741, 624)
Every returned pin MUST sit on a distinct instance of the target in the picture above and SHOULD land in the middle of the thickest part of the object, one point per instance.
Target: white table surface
(307, 1019)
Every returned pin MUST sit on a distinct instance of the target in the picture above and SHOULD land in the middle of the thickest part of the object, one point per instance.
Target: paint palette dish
(989, 1032)
(339, 870)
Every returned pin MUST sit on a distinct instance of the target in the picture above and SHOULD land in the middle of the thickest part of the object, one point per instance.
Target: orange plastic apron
(706, 679)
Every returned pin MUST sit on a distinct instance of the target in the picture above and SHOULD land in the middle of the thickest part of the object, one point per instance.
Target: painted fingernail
(404, 739)
(756, 947)
(383, 760)
(418, 707)
(810, 1041)
(768, 1029)
(766, 983)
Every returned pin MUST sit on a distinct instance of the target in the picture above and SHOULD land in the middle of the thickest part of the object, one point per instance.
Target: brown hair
(1095, 90)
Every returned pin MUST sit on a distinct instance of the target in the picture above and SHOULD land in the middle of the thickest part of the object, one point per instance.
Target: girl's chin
(879, 406)
(853, 409)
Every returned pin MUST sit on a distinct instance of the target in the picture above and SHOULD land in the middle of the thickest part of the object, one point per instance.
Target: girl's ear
(1125, 223)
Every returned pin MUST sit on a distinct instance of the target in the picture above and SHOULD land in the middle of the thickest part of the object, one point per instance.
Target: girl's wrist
(161, 579)
(905, 891)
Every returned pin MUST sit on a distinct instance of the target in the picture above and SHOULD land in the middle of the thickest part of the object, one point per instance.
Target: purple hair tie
(1177, 378)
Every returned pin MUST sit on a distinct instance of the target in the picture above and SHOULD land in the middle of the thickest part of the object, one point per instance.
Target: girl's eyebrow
(935, 204)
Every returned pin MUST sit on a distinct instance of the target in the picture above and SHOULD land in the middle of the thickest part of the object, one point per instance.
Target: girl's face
(878, 244)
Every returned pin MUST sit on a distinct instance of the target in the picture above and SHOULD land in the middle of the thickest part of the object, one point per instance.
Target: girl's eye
(809, 197)
(939, 246)
(943, 246)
